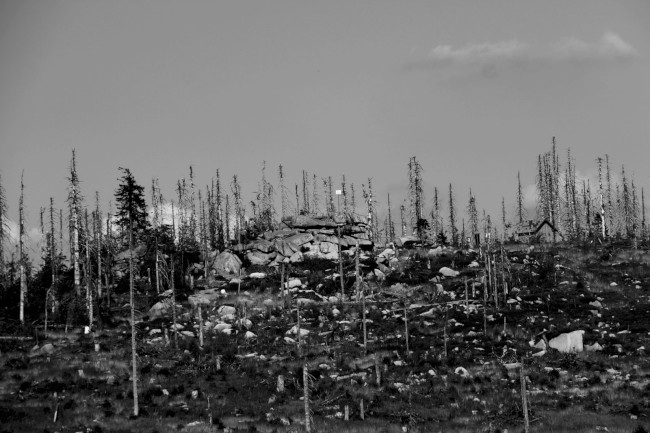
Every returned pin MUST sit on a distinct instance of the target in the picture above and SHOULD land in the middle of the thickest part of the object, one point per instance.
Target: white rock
(226, 310)
(246, 323)
(220, 327)
(257, 275)
(461, 371)
(568, 342)
(294, 282)
(294, 331)
(594, 347)
(447, 272)
(304, 301)
(249, 335)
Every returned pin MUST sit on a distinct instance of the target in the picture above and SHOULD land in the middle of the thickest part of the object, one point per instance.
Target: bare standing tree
(74, 204)
(520, 201)
(344, 193)
(315, 196)
(239, 213)
(643, 223)
(284, 199)
(504, 223)
(4, 229)
(98, 243)
(472, 212)
(390, 230)
(21, 250)
(416, 193)
(452, 218)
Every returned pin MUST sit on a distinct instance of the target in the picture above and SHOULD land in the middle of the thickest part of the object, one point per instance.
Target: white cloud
(610, 47)
(474, 53)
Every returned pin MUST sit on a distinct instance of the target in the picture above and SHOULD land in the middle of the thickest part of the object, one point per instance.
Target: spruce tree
(131, 205)
(131, 214)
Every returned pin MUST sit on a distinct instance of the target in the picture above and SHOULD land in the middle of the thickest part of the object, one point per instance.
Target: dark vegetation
(424, 389)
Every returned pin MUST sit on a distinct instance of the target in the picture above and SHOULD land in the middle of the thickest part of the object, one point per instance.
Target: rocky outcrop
(306, 236)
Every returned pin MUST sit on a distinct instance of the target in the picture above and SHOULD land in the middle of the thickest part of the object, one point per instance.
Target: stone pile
(304, 236)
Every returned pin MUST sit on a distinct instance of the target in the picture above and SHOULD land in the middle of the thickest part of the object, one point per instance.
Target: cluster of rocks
(305, 236)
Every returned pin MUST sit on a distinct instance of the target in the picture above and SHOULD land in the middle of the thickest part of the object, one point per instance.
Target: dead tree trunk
(524, 398)
(305, 381)
(406, 330)
(173, 287)
(200, 326)
(21, 252)
(340, 264)
(136, 409)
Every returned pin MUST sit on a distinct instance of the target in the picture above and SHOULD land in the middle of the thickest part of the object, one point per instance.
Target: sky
(474, 89)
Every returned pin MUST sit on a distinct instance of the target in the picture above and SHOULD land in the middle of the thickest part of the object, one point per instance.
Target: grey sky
(474, 89)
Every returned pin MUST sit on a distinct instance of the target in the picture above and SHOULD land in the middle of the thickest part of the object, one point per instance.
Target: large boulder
(260, 258)
(328, 247)
(332, 239)
(386, 254)
(568, 342)
(285, 247)
(160, 309)
(227, 264)
(226, 310)
(296, 257)
(279, 234)
(261, 245)
(300, 238)
(406, 241)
